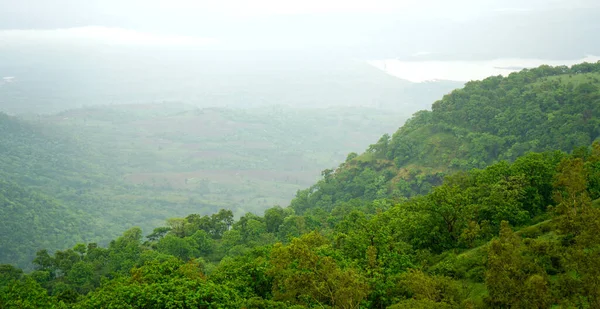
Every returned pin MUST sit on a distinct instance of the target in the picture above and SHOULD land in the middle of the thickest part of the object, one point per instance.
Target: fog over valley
(299, 154)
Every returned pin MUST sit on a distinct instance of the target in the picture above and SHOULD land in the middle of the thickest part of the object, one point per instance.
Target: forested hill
(45, 178)
(32, 221)
(34, 156)
(58, 190)
(499, 118)
(518, 234)
(451, 249)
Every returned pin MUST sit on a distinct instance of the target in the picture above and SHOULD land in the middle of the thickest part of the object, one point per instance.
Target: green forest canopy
(499, 118)
(449, 212)
(522, 235)
(112, 167)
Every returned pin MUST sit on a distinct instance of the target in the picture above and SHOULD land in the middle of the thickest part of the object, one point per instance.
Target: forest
(489, 200)
(107, 168)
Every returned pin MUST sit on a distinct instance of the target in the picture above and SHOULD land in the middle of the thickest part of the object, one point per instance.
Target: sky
(372, 29)
(114, 49)
(69, 13)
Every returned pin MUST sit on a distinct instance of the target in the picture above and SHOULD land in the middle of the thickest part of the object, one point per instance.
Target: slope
(32, 221)
(81, 191)
(499, 118)
(241, 159)
(452, 248)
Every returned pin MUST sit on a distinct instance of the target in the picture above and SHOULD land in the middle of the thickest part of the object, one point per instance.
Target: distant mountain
(63, 77)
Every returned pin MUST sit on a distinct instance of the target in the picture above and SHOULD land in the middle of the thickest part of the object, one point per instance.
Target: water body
(423, 71)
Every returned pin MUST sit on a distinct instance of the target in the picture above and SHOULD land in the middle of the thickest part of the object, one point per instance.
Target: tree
(274, 218)
(158, 233)
(166, 284)
(176, 246)
(247, 274)
(201, 242)
(82, 277)
(512, 282)
(25, 294)
(436, 291)
(177, 226)
(43, 261)
(302, 276)
(9, 273)
(222, 222)
(125, 251)
(579, 225)
(450, 203)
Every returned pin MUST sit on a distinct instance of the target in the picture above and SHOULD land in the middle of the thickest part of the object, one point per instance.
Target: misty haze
(313, 154)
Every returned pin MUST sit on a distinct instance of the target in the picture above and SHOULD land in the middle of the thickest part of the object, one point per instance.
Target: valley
(186, 154)
(246, 160)
(490, 199)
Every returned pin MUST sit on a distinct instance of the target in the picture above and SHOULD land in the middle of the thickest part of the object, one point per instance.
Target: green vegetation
(32, 220)
(56, 192)
(515, 225)
(547, 108)
(109, 168)
(246, 160)
(452, 248)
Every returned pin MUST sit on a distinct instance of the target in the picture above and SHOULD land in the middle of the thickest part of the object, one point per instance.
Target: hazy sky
(74, 52)
(186, 15)
(375, 26)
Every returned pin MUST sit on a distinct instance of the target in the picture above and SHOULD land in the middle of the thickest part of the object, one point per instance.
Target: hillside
(118, 166)
(496, 217)
(547, 108)
(32, 221)
(522, 235)
(242, 159)
(85, 197)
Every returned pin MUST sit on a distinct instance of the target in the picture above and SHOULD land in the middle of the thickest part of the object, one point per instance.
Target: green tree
(579, 225)
(9, 273)
(274, 218)
(176, 246)
(511, 280)
(26, 294)
(303, 276)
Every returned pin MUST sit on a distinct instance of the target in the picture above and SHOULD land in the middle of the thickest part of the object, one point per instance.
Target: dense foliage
(455, 247)
(511, 229)
(60, 191)
(32, 221)
(108, 168)
(546, 108)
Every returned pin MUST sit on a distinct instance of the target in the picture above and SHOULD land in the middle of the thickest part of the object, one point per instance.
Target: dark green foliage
(513, 281)
(26, 294)
(31, 221)
(521, 232)
(499, 118)
(169, 284)
(451, 248)
(9, 273)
